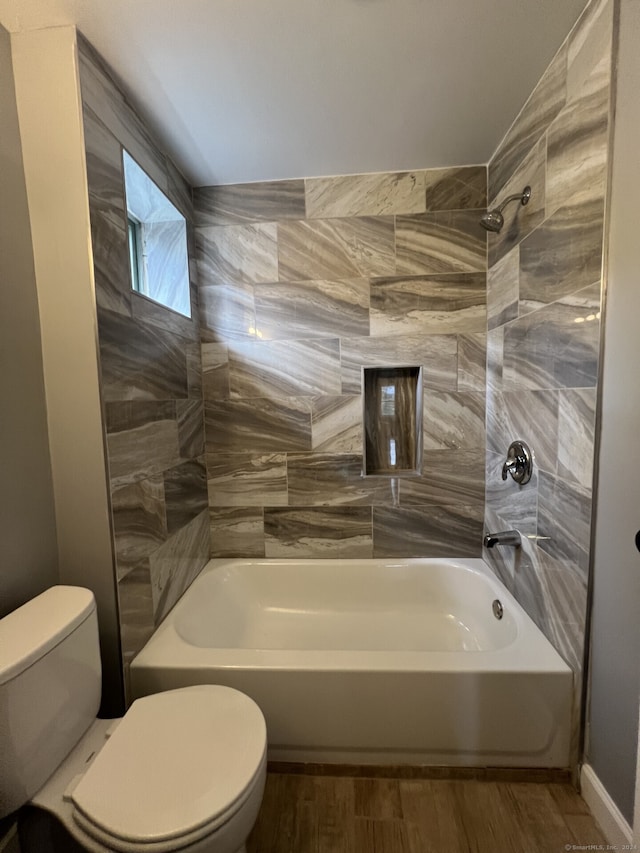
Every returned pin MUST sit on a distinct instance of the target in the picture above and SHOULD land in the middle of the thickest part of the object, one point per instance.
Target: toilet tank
(50, 680)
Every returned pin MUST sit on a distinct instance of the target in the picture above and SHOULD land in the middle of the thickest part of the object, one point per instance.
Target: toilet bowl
(183, 770)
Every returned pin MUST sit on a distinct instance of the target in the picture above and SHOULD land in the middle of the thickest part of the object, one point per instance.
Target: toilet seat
(178, 766)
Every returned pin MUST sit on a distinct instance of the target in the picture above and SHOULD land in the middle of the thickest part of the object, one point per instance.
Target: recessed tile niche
(392, 403)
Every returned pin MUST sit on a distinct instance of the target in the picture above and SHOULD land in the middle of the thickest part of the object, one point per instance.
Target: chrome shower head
(493, 220)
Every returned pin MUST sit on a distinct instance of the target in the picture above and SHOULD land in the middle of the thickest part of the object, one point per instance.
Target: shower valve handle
(519, 463)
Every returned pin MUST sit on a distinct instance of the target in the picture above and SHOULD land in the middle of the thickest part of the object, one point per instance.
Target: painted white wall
(28, 550)
(615, 638)
(50, 116)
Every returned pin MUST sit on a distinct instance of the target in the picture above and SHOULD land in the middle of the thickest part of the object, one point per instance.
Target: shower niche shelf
(392, 419)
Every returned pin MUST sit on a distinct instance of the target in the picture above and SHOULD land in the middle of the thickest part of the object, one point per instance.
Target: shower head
(493, 220)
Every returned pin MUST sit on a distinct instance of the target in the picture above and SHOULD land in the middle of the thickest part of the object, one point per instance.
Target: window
(157, 234)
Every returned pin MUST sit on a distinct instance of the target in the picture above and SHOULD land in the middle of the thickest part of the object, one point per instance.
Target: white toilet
(181, 771)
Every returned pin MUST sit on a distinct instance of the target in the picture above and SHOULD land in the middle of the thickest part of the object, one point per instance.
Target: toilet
(183, 770)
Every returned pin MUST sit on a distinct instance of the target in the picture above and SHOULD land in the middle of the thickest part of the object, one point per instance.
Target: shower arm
(522, 197)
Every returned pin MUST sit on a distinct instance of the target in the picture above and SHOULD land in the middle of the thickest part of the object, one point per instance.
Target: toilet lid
(179, 762)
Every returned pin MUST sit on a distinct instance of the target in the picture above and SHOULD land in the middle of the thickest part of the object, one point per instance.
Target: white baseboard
(605, 812)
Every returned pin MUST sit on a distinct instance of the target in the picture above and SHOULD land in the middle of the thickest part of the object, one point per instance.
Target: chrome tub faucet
(505, 537)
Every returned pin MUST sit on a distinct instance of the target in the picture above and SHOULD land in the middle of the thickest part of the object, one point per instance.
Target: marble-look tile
(448, 477)
(577, 143)
(190, 420)
(215, 371)
(135, 606)
(138, 362)
(531, 416)
(245, 479)
(110, 251)
(338, 532)
(543, 105)
(503, 281)
(227, 313)
(516, 505)
(179, 191)
(237, 254)
(323, 479)
(472, 363)
(185, 489)
(436, 354)
(576, 435)
(284, 368)
(155, 314)
(336, 424)
(139, 521)
(563, 255)
(194, 369)
(177, 563)
(235, 204)
(589, 41)
(374, 194)
(101, 94)
(258, 425)
(237, 531)
(453, 421)
(495, 359)
(428, 304)
(564, 519)
(555, 347)
(142, 440)
(457, 188)
(336, 248)
(104, 170)
(312, 308)
(519, 219)
(440, 242)
(427, 531)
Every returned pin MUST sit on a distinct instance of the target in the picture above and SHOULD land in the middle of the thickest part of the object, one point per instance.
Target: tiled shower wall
(302, 283)
(543, 305)
(150, 375)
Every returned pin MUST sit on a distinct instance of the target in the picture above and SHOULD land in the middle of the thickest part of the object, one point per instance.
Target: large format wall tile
(237, 531)
(428, 304)
(323, 479)
(365, 195)
(236, 204)
(339, 532)
(564, 519)
(245, 479)
(544, 104)
(284, 368)
(427, 531)
(440, 242)
(438, 355)
(258, 425)
(227, 313)
(238, 254)
(563, 255)
(555, 347)
(177, 563)
(447, 477)
(336, 248)
(142, 440)
(139, 521)
(453, 421)
(336, 424)
(456, 188)
(140, 363)
(295, 309)
(185, 490)
(472, 362)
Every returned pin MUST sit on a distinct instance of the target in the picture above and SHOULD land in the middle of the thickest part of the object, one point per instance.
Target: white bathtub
(371, 661)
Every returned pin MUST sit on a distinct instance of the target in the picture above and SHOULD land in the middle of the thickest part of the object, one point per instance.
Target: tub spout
(505, 537)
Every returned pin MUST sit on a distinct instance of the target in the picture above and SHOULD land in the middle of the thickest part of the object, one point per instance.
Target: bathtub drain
(498, 609)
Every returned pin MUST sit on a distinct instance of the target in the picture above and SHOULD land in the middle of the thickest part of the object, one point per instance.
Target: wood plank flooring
(337, 814)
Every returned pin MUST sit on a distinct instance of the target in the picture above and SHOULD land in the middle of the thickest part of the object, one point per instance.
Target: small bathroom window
(157, 234)
(392, 421)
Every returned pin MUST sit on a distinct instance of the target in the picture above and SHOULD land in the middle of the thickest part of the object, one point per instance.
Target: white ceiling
(251, 90)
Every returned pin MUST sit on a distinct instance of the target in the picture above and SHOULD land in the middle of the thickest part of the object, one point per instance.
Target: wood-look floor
(329, 814)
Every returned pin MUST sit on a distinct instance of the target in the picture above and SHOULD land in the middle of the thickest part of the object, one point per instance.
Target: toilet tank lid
(29, 632)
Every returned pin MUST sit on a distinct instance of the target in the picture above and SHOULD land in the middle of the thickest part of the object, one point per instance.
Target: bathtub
(371, 661)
